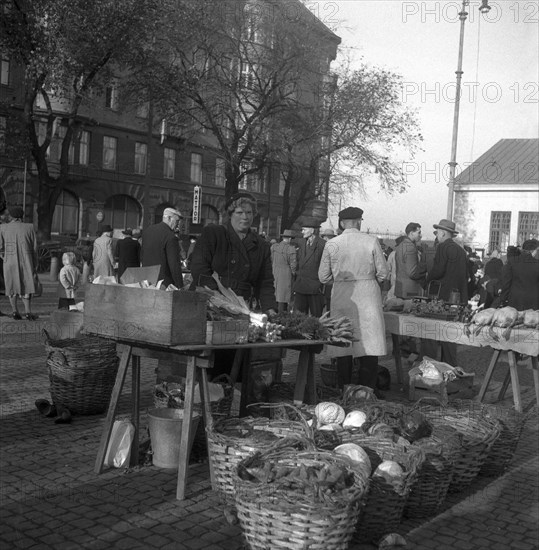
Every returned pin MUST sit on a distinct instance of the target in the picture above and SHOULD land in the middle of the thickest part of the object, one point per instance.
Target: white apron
(355, 262)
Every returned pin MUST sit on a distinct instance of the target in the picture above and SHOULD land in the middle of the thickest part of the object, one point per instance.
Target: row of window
(500, 228)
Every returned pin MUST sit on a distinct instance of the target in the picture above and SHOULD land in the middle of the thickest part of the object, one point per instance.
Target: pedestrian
(410, 264)
(102, 256)
(450, 270)
(160, 247)
(490, 285)
(392, 270)
(327, 234)
(18, 249)
(308, 290)
(520, 278)
(69, 281)
(284, 265)
(355, 262)
(127, 252)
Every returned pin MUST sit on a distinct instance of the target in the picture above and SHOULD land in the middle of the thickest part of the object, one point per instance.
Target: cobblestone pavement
(51, 498)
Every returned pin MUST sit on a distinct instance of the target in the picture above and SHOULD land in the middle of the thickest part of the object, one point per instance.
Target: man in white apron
(355, 263)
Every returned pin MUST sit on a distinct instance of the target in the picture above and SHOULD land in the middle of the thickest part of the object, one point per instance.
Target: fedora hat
(446, 225)
(310, 222)
(128, 232)
(288, 233)
(328, 232)
(106, 228)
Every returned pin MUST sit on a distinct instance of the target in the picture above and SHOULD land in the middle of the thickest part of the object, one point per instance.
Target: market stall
(518, 340)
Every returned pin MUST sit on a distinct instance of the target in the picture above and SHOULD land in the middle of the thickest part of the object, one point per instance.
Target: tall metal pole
(453, 162)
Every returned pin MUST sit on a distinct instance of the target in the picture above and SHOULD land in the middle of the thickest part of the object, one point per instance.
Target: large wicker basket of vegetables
(298, 500)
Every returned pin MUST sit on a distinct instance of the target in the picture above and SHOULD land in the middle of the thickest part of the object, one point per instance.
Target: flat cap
(351, 213)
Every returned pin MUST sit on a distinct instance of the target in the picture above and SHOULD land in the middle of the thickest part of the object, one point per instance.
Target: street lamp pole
(484, 8)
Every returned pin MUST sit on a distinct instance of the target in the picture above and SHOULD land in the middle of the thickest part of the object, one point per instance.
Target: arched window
(65, 219)
(209, 215)
(121, 211)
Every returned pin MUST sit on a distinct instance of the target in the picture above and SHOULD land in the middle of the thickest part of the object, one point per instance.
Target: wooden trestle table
(521, 340)
(200, 357)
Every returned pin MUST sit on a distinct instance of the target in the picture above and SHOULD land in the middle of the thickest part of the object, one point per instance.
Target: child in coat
(70, 277)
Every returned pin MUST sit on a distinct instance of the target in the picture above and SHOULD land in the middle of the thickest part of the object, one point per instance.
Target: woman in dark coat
(520, 278)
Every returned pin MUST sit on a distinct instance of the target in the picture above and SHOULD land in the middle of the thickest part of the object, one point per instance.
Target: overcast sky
(420, 41)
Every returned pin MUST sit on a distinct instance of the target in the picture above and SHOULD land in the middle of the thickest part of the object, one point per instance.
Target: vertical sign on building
(197, 196)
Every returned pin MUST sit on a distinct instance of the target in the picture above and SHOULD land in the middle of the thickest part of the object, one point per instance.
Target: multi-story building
(122, 162)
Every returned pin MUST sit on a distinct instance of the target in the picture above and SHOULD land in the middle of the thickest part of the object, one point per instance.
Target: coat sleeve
(266, 286)
(325, 273)
(109, 252)
(202, 257)
(63, 278)
(380, 262)
(172, 253)
(293, 259)
(439, 265)
(507, 278)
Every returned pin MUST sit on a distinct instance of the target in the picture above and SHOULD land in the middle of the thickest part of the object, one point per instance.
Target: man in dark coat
(410, 264)
(127, 252)
(240, 257)
(308, 290)
(450, 269)
(520, 278)
(160, 247)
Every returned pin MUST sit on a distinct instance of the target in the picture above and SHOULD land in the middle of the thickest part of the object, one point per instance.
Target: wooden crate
(227, 332)
(145, 315)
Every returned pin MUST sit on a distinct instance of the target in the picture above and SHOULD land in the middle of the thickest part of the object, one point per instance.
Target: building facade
(123, 160)
(497, 196)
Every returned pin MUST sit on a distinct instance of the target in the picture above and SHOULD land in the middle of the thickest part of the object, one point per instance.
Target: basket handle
(350, 392)
(222, 378)
(308, 430)
(426, 399)
(46, 335)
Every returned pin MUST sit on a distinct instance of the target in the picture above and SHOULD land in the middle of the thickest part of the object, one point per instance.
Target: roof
(508, 161)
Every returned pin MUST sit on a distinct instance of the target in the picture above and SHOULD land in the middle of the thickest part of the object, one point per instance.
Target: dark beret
(238, 196)
(351, 213)
(16, 212)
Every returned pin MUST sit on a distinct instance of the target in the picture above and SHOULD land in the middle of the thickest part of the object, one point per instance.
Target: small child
(69, 277)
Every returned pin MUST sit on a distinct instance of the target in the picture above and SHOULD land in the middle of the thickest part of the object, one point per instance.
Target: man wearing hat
(355, 263)
(284, 264)
(18, 250)
(450, 269)
(102, 256)
(160, 247)
(127, 252)
(327, 234)
(308, 290)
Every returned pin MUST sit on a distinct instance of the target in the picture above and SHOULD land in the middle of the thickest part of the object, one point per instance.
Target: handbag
(38, 286)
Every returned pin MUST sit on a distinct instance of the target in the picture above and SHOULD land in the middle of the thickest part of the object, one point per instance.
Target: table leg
(515, 384)
(505, 385)
(244, 362)
(111, 413)
(304, 372)
(186, 427)
(135, 413)
(535, 379)
(206, 407)
(397, 356)
(236, 365)
(488, 375)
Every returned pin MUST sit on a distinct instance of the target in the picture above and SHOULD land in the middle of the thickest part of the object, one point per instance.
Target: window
(282, 184)
(3, 126)
(169, 165)
(143, 109)
(121, 211)
(111, 97)
(57, 143)
(84, 148)
(528, 226)
(252, 181)
(5, 68)
(500, 224)
(220, 177)
(66, 214)
(279, 223)
(196, 168)
(110, 145)
(141, 154)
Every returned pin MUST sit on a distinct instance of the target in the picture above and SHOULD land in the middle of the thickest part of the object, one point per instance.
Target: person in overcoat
(18, 249)
(355, 263)
(240, 257)
(327, 234)
(102, 256)
(520, 278)
(284, 264)
(160, 247)
(127, 252)
(450, 269)
(308, 290)
(410, 264)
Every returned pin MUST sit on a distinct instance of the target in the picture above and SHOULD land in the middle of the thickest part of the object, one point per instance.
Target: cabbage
(381, 430)
(390, 471)
(357, 455)
(414, 426)
(354, 419)
(328, 412)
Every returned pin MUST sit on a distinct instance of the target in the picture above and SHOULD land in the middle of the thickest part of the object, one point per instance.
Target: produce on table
(357, 455)
(531, 318)
(340, 330)
(354, 419)
(329, 413)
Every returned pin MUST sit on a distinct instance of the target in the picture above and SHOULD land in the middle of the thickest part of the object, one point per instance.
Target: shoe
(45, 408)
(16, 315)
(64, 416)
(30, 317)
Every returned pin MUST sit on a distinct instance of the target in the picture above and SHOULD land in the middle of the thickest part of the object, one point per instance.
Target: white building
(497, 196)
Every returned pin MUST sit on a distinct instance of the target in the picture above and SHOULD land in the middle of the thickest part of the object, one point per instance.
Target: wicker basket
(277, 515)
(384, 504)
(82, 372)
(328, 375)
(233, 439)
(467, 438)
